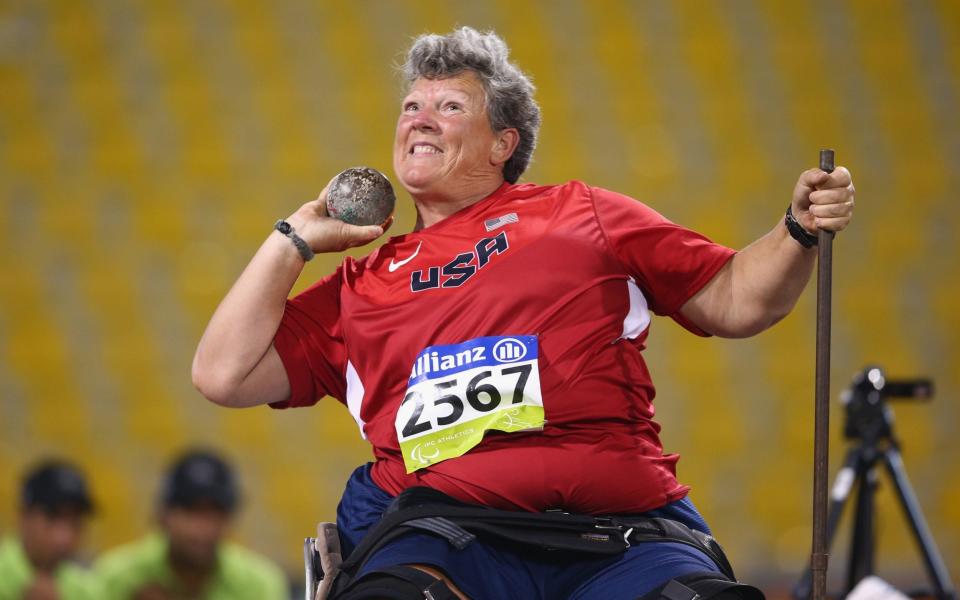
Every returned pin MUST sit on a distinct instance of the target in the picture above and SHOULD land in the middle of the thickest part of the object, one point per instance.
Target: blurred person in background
(188, 556)
(37, 562)
(493, 354)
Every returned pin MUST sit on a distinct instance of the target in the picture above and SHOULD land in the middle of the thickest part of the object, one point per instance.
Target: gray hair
(509, 93)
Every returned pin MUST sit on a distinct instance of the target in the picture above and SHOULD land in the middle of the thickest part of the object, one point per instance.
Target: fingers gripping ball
(361, 196)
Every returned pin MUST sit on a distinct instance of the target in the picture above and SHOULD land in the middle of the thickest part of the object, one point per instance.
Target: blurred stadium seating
(146, 148)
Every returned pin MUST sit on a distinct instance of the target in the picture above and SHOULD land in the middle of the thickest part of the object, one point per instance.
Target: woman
(493, 354)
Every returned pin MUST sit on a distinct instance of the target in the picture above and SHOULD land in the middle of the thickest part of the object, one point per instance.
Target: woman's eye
(453, 106)
(410, 107)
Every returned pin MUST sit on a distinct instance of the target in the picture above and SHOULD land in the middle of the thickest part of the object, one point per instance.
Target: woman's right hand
(236, 364)
(325, 234)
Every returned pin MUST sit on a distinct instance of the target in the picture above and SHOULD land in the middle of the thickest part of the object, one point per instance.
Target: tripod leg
(842, 485)
(862, 540)
(936, 570)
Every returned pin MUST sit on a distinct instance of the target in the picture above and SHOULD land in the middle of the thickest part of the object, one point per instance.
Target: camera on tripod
(869, 424)
(868, 417)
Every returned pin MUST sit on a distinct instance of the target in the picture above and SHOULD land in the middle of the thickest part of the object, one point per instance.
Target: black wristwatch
(306, 253)
(797, 232)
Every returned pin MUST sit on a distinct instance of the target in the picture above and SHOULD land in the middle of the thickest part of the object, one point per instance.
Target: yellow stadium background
(147, 147)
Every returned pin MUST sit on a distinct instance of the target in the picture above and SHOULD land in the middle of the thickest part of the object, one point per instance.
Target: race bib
(458, 392)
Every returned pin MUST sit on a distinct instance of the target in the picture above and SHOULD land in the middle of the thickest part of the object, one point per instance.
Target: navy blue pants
(486, 572)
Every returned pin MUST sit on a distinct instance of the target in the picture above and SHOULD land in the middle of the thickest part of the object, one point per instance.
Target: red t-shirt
(580, 268)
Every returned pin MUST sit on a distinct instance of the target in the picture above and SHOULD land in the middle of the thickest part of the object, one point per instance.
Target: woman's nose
(424, 121)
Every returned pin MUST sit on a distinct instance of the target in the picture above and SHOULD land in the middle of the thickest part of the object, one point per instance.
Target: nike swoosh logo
(393, 266)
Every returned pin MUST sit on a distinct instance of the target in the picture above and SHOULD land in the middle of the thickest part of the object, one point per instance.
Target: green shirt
(240, 575)
(16, 575)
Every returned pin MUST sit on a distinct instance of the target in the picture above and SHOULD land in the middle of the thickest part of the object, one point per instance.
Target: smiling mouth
(425, 150)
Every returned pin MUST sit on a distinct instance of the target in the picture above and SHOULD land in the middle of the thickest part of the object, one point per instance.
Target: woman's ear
(504, 146)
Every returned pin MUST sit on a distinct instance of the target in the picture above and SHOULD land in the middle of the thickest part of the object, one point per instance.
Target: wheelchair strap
(460, 523)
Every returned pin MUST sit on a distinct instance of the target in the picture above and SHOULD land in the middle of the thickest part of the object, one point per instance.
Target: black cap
(200, 476)
(54, 485)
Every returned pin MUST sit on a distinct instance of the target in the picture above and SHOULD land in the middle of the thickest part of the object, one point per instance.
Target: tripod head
(868, 417)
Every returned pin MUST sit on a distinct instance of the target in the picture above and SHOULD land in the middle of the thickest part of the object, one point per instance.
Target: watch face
(284, 227)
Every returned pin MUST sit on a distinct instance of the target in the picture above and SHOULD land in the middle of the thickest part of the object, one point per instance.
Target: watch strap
(797, 232)
(306, 253)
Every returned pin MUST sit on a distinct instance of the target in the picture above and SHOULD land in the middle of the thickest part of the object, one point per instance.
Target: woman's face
(444, 146)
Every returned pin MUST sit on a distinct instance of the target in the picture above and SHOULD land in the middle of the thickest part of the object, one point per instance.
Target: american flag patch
(491, 224)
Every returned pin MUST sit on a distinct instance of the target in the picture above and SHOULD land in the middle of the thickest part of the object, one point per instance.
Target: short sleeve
(310, 344)
(670, 263)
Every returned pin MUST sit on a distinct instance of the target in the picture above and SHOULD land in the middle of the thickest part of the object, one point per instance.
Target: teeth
(424, 149)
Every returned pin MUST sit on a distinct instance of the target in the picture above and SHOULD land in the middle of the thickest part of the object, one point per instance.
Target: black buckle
(607, 523)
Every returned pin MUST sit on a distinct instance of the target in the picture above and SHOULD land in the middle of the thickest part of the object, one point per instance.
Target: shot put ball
(361, 196)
